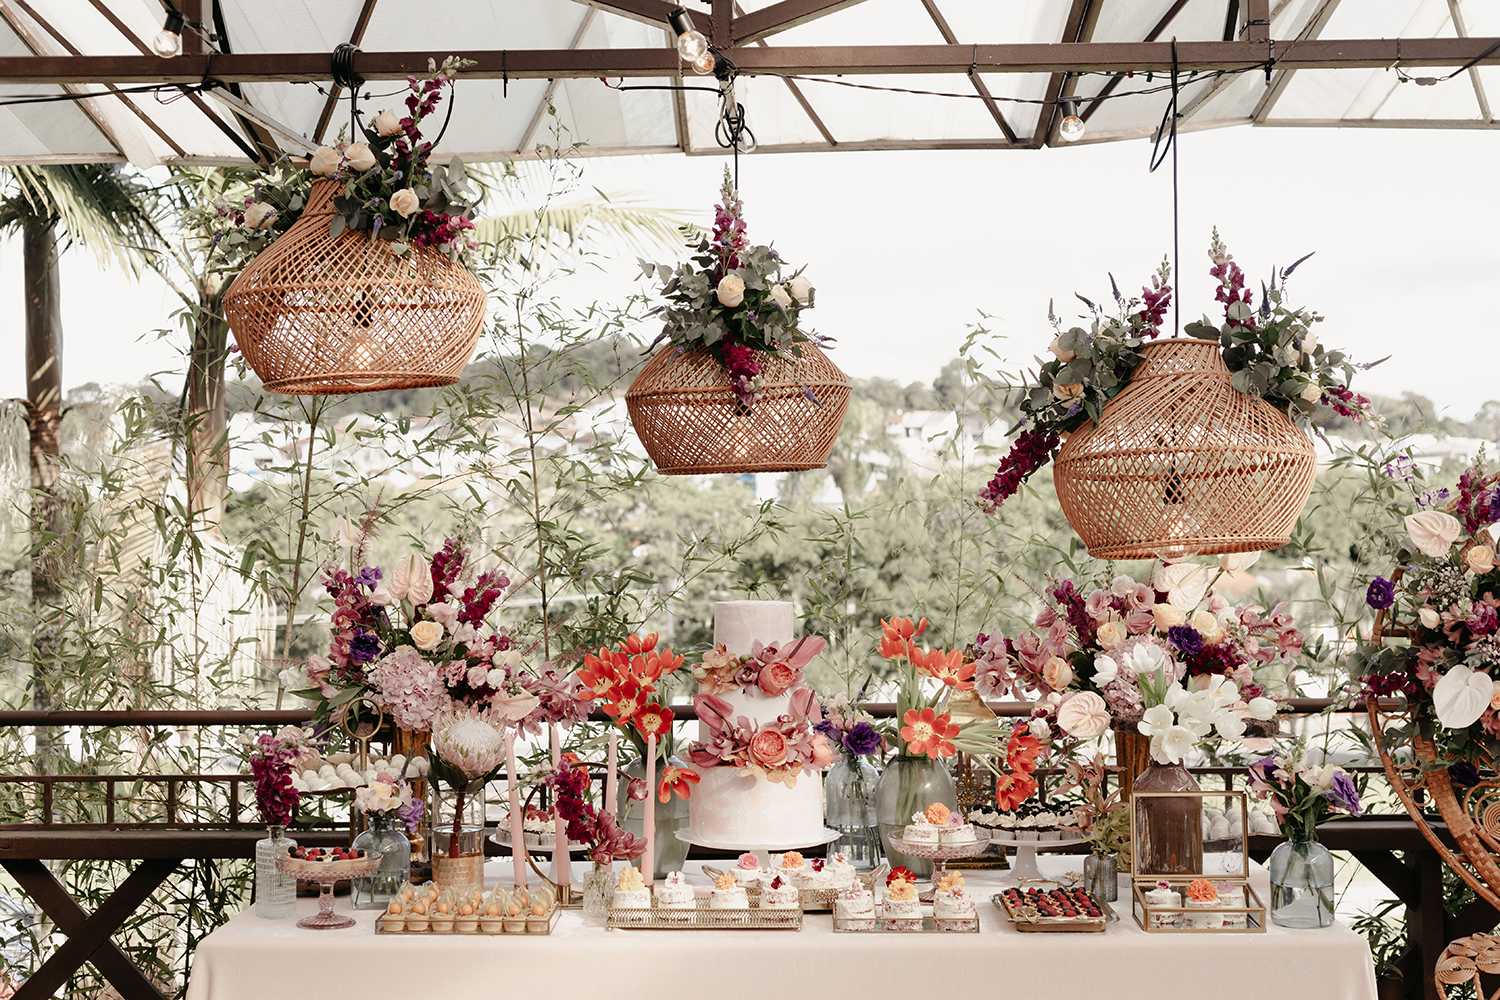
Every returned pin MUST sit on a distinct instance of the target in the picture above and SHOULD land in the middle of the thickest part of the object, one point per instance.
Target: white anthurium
(1185, 584)
(1105, 670)
(411, 580)
(345, 532)
(1156, 721)
(1235, 562)
(1461, 696)
(1433, 532)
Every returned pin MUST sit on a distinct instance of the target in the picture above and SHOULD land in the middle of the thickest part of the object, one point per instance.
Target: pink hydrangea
(409, 689)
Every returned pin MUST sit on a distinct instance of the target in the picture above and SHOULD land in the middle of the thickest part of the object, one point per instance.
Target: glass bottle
(597, 892)
(849, 807)
(909, 785)
(1301, 883)
(1101, 874)
(1168, 829)
(386, 837)
(458, 820)
(275, 893)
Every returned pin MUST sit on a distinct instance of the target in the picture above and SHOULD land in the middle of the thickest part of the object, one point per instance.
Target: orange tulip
(949, 668)
(653, 720)
(679, 780)
(929, 733)
(1013, 789)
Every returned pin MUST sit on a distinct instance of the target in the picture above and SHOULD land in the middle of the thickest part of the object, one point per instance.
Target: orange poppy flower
(653, 720)
(679, 780)
(1013, 789)
(927, 732)
(949, 668)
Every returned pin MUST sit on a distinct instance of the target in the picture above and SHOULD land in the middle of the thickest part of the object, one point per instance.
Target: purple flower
(1186, 639)
(411, 814)
(829, 730)
(1402, 469)
(1262, 769)
(1342, 793)
(369, 576)
(1463, 773)
(364, 647)
(1381, 593)
(862, 740)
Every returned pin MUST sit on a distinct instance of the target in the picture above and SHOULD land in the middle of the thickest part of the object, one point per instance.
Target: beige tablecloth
(252, 959)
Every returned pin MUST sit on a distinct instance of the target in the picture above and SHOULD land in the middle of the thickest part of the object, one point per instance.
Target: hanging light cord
(344, 76)
(1167, 131)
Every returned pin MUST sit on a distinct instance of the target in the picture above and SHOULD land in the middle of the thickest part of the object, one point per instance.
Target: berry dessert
(311, 862)
(1055, 904)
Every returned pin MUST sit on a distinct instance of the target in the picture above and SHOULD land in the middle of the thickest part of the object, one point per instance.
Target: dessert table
(250, 958)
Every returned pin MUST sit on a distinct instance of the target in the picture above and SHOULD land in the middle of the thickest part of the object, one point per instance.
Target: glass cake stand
(1023, 865)
(940, 854)
(325, 875)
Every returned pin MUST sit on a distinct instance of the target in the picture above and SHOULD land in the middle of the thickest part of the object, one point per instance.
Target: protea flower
(469, 747)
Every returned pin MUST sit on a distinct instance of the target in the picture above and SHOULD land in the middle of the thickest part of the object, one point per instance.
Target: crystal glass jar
(909, 785)
(386, 837)
(1301, 883)
(1101, 874)
(597, 892)
(849, 808)
(458, 822)
(275, 893)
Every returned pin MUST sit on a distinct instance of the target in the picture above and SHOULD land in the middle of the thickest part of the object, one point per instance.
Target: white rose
(495, 678)
(260, 215)
(1429, 616)
(1433, 532)
(1111, 634)
(360, 156)
(404, 203)
(507, 658)
(386, 123)
(780, 297)
(1062, 355)
(801, 289)
(1480, 559)
(1312, 392)
(1105, 670)
(1167, 616)
(1495, 696)
(324, 161)
(731, 290)
(426, 635)
(1309, 343)
(1040, 729)
(1205, 623)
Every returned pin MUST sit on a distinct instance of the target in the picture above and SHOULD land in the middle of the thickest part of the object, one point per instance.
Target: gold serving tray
(1027, 920)
(1254, 911)
(383, 925)
(701, 918)
(930, 925)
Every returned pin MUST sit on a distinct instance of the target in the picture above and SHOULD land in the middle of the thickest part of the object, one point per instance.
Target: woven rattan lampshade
(1182, 463)
(315, 313)
(691, 422)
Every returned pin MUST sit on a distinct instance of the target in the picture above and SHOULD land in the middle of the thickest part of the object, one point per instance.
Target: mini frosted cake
(952, 907)
(855, 909)
(1232, 896)
(631, 892)
(901, 911)
(1163, 895)
(793, 867)
(780, 895)
(1202, 895)
(922, 829)
(747, 872)
(675, 901)
(727, 894)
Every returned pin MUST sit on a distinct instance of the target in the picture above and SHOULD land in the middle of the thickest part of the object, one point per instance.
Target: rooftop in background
(1004, 64)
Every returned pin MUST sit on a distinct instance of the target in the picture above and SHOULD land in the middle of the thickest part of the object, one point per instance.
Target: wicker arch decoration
(691, 423)
(1463, 960)
(321, 314)
(1182, 463)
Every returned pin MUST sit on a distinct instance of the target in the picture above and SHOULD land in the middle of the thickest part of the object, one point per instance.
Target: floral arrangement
(272, 758)
(597, 828)
(1177, 718)
(390, 188)
(735, 301)
(417, 644)
(1271, 351)
(1089, 652)
(623, 681)
(389, 797)
(772, 670)
(778, 750)
(1302, 794)
(850, 730)
(923, 728)
(468, 750)
(1445, 597)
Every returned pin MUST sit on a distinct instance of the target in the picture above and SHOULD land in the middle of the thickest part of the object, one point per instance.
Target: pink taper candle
(612, 761)
(562, 866)
(648, 818)
(517, 827)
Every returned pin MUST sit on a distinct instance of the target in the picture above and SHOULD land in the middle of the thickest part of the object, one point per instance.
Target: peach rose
(1056, 673)
(360, 156)
(386, 123)
(1167, 616)
(776, 677)
(1067, 391)
(404, 203)
(822, 753)
(731, 290)
(1111, 634)
(426, 635)
(1480, 559)
(768, 748)
(324, 161)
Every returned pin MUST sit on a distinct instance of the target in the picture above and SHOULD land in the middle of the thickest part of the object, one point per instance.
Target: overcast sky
(906, 248)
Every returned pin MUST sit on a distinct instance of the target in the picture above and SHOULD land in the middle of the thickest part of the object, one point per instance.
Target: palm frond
(100, 206)
(638, 228)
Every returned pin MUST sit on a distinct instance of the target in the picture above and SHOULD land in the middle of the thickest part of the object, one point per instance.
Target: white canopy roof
(504, 114)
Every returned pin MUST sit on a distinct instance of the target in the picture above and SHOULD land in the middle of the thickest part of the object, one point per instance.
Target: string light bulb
(692, 45)
(1071, 128)
(168, 41)
(705, 64)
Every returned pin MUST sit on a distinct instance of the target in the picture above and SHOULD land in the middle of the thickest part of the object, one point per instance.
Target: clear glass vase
(387, 838)
(909, 785)
(275, 893)
(458, 838)
(1101, 873)
(1301, 883)
(597, 892)
(671, 816)
(849, 808)
(1168, 830)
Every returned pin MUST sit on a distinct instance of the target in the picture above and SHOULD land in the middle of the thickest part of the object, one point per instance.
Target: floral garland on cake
(778, 750)
(1272, 352)
(772, 669)
(735, 302)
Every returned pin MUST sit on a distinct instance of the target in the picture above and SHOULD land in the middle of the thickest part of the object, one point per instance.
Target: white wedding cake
(755, 726)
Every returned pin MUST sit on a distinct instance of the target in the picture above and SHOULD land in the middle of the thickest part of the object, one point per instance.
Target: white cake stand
(827, 837)
(502, 837)
(1023, 865)
(939, 854)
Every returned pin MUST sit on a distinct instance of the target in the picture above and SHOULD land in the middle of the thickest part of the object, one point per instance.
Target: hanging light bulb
(168, 41)
(1177, 528)
(1071, 128)
(691, 43)
(705, 64)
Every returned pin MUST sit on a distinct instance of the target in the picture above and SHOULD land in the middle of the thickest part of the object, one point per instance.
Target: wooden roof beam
(783, 16)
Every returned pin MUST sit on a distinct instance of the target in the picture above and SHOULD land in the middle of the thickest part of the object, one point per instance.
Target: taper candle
(648, 819)
(517, 827)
